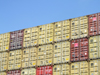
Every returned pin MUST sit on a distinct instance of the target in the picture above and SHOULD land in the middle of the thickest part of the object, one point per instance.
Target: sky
(21, 14)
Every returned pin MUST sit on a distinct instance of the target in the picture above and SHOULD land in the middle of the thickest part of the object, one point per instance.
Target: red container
(15, 72)
(45, 70)
(16, 39)
(79, 49)
(94, 24)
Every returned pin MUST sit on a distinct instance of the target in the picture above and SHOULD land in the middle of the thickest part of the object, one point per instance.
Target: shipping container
(79, 27)
(94, 67)
(28, 71)
(84, 68)
(62, 30)
(61, 52)
(45, 70)
(61, 69)
(15, 58)
(46, 33)
(4, 42)
(3, 61)
(16, 39)
(94, 24)
(29, 57)
(80, 68)
(79, 49)
(94, 49)
(3, 73)
(30, 37)
(14, 72)
(45, 55)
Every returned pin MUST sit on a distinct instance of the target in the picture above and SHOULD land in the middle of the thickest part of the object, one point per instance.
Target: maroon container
(15, 72)
(45, 70)
(94, 24)
(79, 49)
(16, 39)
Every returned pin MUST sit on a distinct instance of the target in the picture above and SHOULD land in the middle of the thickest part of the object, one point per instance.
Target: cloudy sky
(20, 14)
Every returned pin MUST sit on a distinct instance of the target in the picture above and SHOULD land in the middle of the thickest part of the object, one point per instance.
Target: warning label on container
(76, 45)
(94, 19)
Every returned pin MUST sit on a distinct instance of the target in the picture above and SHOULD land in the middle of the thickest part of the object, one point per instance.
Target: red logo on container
(94, 19)
(76, 45)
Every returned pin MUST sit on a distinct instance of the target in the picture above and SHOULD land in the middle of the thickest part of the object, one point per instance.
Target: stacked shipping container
(79, 27)
(15, 58)
(29, 57)
(79, 49)
(62, 30)
(30, 71)
(61, 69)
(45, 53)
(16, 39)
(61, 52)
(46, 34)
(4, 42)
(69, 47)
(3, 73)
(30, 37)
(3, 61)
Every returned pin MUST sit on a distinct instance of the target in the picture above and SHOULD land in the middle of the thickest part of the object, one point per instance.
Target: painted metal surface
(16, 39)
(45, 70)
(79, 49)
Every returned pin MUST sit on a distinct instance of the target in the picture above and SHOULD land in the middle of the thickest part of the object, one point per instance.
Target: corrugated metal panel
(94, 49)
(94, 24)
(15, 58)
(45, 70)
(75, 68)
(30, 37)
(79, 27)
(80, 68)
(3, 73)
(94, 67)
(79, 49)
(29, 71)
(45, 55)
(61, 69)
(4, 42)
(46, 33)
(29, 57)
(16, 39)
(62, 30)
(3, 61)
(61, 52)
(84, 68)
(15, 72)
